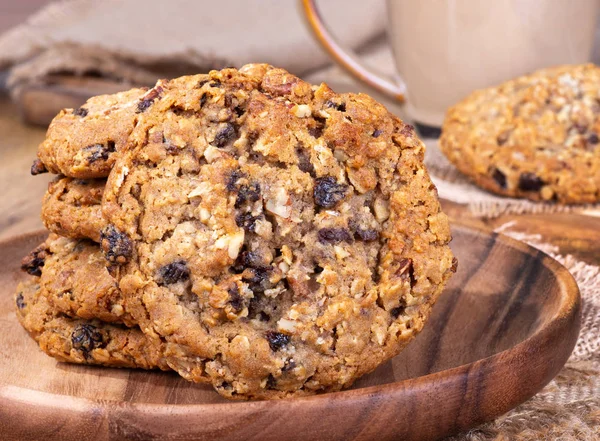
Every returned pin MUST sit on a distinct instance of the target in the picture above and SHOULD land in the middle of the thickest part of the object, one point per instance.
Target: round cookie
(71, 208)
(75, 281)
(282, 238)
(81, 143)
(536, 137)
(83, 341)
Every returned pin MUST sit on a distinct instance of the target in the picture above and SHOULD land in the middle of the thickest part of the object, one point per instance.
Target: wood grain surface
(21, 193)
(504, 327)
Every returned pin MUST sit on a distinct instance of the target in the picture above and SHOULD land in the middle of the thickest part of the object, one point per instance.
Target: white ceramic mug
(444, 49)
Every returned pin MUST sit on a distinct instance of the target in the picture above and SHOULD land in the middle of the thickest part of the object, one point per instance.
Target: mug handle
(346, 59)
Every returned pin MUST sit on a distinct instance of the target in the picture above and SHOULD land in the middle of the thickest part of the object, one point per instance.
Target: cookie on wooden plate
(535, 137)
(283, 239)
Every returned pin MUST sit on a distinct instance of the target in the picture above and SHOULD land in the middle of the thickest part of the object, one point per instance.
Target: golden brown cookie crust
(83, 341)
(534, 137)
(75, 281)
(81, 143)
(71, 208)
(282, 238)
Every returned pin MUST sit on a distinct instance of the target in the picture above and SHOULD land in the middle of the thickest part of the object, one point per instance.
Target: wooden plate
(504, 327)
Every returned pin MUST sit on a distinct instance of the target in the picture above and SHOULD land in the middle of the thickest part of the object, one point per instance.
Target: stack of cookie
(243, 228)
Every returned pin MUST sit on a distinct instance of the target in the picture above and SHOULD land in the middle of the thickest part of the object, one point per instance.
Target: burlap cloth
(136, 41)
(569, 407)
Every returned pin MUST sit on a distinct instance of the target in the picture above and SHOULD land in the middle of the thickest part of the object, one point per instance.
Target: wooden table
(20, 203)
(574, 234)
(22, 193)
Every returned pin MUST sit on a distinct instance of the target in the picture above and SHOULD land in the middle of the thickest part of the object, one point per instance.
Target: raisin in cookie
(282, 238)
(535, 137)
(71, 207)
(75, 281)
(83, 341)
(81, 143)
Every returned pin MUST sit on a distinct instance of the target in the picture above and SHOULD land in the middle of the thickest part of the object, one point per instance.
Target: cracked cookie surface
(73, 277)
(283, 239)
(534, 137)
(81, 143)
(71, 208)
(82, 341)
